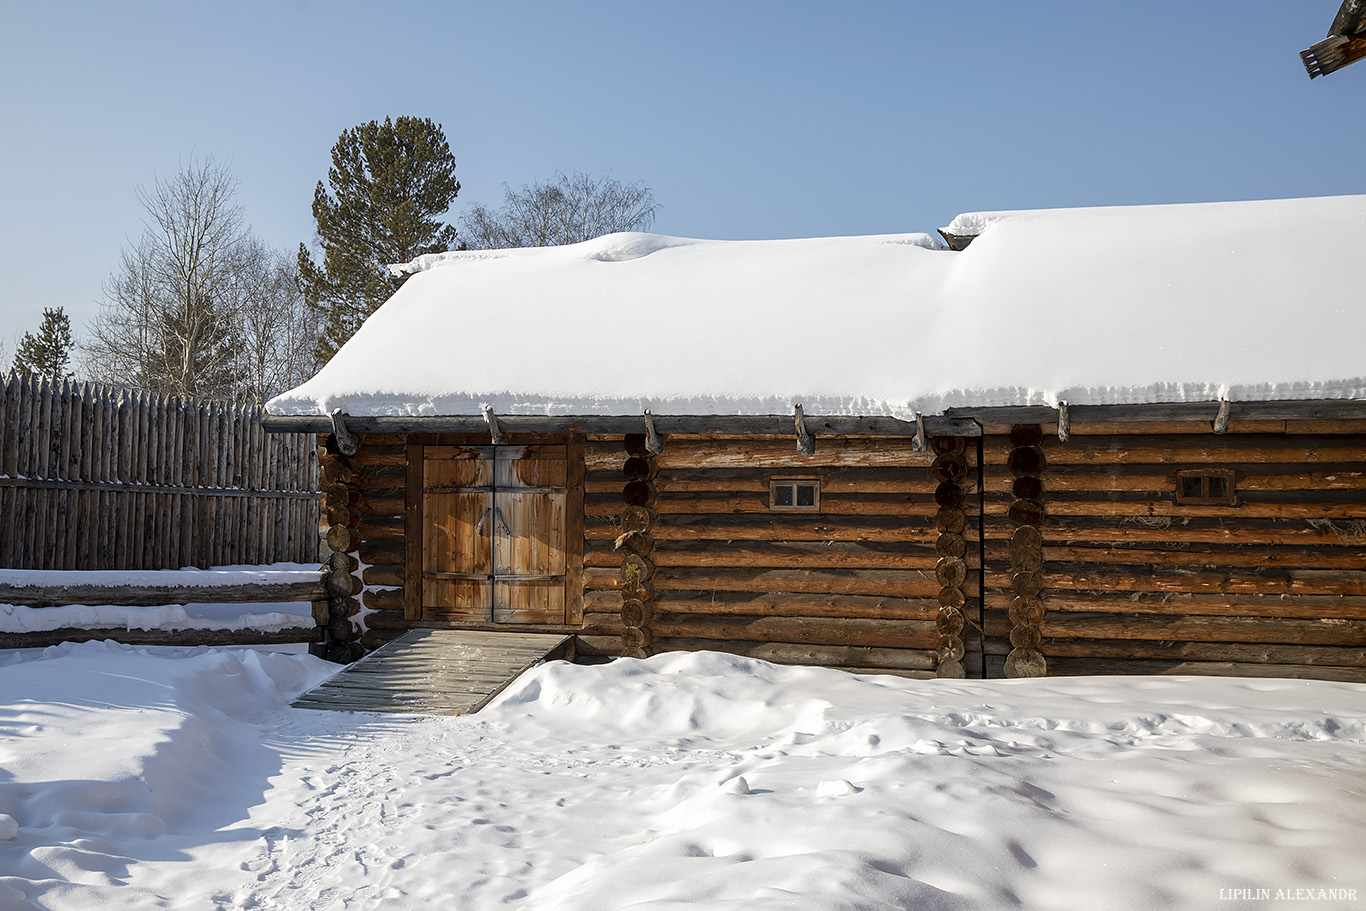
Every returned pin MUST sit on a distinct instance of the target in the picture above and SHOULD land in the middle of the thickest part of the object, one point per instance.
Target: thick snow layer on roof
(1246, 301)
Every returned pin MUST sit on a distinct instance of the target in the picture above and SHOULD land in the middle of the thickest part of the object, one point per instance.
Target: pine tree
(389, 184)
(48, 353)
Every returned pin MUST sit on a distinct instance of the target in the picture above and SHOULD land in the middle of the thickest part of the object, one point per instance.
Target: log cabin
(1090, 441)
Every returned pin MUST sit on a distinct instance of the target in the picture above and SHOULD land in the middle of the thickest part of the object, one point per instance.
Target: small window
(1205, 488)
(795, 495)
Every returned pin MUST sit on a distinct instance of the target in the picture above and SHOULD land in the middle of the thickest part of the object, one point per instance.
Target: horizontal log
(1311, 607)
(152, 595)
(787, 527)
(1206, 557)
(382, 503)
(1230, 529)
(1139, 578)
(785, 554)
(757, 453)
(881, 583)
(1241, 652)
(819, 631)
(386, 552)
(1064, 667)
(808, 654)
(1193, 451)
(372, 639)
(187, 638)
(1110, 500)
(1059, 509)
(383, 574)
(777, 604)
(384, 599)
(1166, 627)
(727, 502)
(1257, 477)
(594, 646)
(387, 620)
(602, 624)
(381, 527)
(915, 480)
(891, 672)
(382, 477)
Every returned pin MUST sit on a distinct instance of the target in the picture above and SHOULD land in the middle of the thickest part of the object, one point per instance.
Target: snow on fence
(102, 477)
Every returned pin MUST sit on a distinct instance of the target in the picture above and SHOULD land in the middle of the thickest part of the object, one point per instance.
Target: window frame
(775, 484)
(1205, 475)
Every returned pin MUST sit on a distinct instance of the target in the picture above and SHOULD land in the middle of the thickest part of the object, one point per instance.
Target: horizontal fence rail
(101, 477)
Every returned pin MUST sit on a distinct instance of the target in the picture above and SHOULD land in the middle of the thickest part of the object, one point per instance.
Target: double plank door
(495, 534)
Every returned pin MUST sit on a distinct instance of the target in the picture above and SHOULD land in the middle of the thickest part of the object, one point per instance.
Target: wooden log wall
(950, 470)
(1026, 464)
(1273, 585)
(98, 477)
(853, 585)
(363, 524)
(636, 545)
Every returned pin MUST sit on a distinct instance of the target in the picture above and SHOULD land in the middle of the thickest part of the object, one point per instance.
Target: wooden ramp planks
(433, 672)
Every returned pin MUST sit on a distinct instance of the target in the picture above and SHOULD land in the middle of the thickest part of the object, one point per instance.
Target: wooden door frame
(413, 522)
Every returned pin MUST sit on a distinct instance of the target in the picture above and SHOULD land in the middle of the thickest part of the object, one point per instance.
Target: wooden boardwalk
(434, 672)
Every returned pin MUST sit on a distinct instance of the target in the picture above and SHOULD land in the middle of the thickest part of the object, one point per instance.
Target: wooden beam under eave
(683, 425)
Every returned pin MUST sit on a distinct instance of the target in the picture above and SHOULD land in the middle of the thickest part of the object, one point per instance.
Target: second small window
(1205, 488)
(795, 495)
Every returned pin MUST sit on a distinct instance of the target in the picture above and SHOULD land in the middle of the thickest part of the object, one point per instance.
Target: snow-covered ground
(147, 778)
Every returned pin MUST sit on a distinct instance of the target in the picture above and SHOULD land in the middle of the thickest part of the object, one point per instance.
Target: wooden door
(494, 533)
(529, 543)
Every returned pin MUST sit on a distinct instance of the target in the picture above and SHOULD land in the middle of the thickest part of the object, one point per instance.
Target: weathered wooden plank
(434, 671)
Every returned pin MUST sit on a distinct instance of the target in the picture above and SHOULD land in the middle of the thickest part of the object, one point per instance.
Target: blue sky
(748, 119)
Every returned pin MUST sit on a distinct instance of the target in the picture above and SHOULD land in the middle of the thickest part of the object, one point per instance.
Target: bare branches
(565, 210)
(192, 306)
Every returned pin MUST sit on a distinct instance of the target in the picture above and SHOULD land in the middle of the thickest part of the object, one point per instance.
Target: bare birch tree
(190, 307)
(564, 210)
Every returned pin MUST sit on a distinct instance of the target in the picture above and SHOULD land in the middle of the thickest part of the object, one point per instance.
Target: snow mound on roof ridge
(628, 245)
(429, 261)
(621, 246)
(927, 241)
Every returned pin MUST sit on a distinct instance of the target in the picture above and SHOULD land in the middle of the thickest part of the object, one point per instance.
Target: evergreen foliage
(48, 352)
(388, 186)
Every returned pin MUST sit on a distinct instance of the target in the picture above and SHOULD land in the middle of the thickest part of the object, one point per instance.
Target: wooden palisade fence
(101, 477)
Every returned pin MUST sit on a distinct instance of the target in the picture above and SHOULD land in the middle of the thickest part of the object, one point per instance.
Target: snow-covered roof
(1251, 301)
